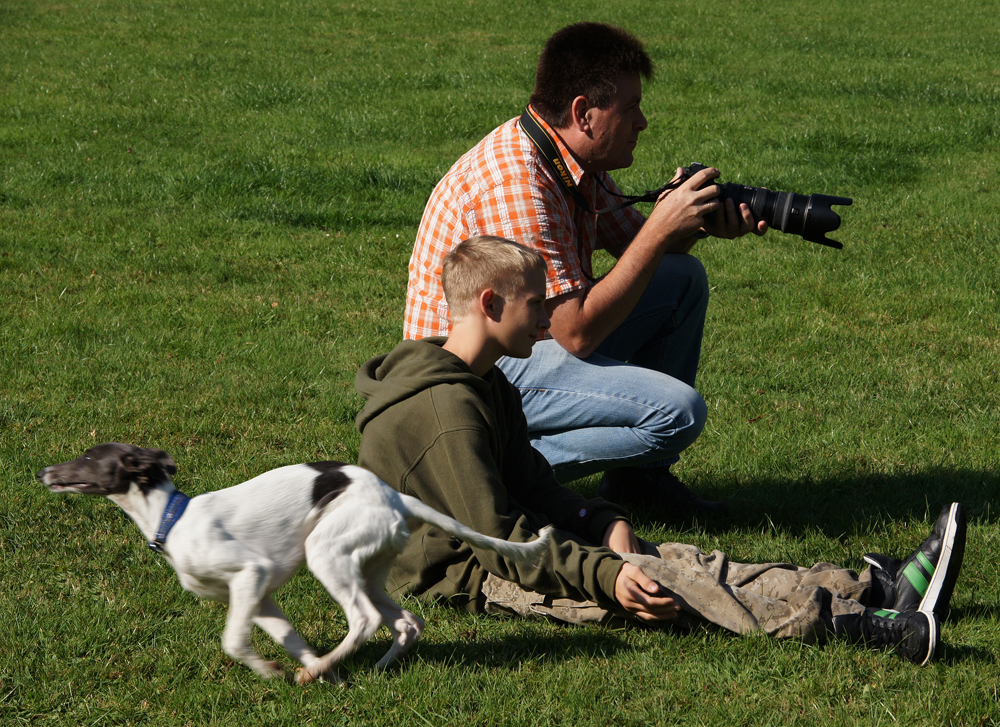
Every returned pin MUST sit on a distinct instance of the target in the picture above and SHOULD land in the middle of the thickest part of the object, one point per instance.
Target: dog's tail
(519, 552)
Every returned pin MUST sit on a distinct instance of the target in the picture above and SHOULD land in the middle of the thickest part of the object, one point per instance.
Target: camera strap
(550, 152)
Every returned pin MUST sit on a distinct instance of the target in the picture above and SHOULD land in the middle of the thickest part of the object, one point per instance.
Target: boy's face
(524, 317)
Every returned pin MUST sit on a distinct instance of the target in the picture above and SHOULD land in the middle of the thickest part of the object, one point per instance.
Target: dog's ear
(165, 461)
(129, 459)
(148, 461)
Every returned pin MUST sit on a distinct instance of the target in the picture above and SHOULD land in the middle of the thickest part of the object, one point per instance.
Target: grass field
(206, 210)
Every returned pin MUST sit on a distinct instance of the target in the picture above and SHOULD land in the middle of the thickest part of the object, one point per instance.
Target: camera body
(796, 214)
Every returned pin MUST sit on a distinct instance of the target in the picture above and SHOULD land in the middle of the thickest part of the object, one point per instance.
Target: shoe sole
(940, 588)
(932, 639)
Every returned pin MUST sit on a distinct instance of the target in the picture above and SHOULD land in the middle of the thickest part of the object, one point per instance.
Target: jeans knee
(697, 416)
(697, 277)
(684, 275)
(677, 430)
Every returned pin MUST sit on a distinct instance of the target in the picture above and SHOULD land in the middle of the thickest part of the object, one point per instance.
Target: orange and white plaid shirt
(504, 187)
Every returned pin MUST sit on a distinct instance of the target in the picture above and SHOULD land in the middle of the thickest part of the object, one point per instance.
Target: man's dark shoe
(912, 635)
(925, 580)
(655, 487)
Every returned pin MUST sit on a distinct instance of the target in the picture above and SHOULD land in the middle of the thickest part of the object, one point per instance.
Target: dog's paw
(304, 675)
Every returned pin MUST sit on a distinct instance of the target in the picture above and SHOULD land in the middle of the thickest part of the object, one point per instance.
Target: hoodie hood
(407, 370)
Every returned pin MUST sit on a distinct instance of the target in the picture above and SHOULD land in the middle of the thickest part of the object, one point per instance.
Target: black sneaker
(912, 635)
(926, 579)
(640, 487)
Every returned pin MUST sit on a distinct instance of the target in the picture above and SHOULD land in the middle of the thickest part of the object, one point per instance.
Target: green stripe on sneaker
(886, 614)
(916, 579)
(926, 563)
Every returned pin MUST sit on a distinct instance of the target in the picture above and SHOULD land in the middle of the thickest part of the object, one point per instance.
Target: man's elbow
(579, 344)
(573, 328)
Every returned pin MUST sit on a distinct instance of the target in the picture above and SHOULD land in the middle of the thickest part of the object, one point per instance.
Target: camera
(796, 214)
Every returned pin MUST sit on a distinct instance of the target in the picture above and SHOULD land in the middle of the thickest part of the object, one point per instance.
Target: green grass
(206, 211)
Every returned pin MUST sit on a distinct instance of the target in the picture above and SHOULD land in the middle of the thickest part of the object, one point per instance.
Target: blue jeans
(632, 402)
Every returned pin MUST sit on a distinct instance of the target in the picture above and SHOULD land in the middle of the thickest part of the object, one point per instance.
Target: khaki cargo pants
(784, 600)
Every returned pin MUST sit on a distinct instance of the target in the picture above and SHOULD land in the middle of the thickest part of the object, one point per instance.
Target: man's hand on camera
(730, 223)
(679, 213)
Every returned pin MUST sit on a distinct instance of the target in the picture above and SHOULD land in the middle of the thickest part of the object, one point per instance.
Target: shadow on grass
(842, 504)
(952, 654)
(514, 646)
(570, 643)
(978, 611)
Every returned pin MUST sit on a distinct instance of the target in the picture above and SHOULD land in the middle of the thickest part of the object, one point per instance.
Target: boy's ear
(491, 304)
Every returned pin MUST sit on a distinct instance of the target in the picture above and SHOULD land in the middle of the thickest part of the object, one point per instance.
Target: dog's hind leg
(276, 624)
(246, 592)
(404, 626)
(341, 576)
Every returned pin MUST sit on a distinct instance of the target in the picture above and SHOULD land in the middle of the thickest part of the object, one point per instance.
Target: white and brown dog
(242, 543)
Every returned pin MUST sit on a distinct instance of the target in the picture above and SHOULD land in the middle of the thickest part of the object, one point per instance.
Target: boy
(442, 423)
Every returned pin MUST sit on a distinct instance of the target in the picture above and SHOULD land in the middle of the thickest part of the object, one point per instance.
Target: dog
(242, 543)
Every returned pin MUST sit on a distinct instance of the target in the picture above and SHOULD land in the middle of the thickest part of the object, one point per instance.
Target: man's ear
(490, 304)
(578, 117)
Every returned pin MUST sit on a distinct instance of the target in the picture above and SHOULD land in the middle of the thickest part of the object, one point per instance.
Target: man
(442, 423)
(588, 410)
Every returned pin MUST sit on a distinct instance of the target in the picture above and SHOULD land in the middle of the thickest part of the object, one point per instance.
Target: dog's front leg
(271, 618)
(246, 594)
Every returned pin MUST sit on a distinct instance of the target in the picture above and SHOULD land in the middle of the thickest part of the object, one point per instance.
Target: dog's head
(110, 469)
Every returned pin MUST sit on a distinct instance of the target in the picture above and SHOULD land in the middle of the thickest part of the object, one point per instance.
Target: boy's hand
(641, 596)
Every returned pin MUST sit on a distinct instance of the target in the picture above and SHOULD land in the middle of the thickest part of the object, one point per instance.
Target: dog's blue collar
(175, 508)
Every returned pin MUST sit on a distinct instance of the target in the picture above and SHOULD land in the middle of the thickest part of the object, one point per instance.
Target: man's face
(524, 317)
(615, 130)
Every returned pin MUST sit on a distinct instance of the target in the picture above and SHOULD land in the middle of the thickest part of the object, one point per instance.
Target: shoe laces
(887, 628)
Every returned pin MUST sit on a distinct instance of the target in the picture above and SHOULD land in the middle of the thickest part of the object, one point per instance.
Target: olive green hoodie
(433, 429)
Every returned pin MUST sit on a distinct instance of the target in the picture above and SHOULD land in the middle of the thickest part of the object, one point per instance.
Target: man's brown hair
(483, 262)
(585, 59)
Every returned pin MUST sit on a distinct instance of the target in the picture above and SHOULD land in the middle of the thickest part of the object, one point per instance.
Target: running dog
(242, 543)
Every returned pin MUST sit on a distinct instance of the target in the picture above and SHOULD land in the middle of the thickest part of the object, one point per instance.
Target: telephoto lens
(809, 217)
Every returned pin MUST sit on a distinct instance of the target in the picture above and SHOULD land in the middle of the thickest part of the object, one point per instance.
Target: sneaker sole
(932, 639)
(950, 562)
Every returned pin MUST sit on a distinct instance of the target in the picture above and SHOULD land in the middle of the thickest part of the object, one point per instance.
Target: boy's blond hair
(483, 262)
